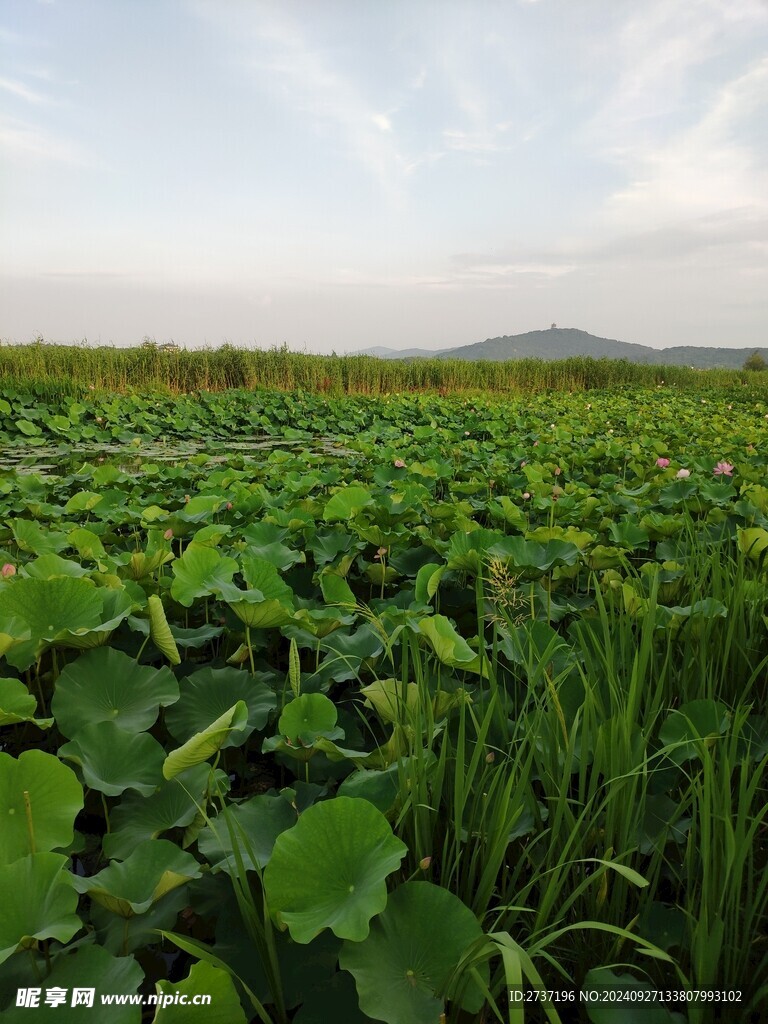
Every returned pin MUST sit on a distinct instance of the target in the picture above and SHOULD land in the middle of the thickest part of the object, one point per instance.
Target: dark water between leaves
(130, 458)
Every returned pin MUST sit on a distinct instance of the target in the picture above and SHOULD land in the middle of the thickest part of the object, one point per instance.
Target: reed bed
(71, 368)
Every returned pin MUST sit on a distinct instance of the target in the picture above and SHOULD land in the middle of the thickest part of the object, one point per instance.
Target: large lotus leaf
(625, 999)
(268, 602)
(32, 537)
(386, 696)
(17, 704)
(117, 605)
(256, 612)
(336, 590)
(82, 501)
(320, 622)
(381, 788)
(328, 544)
(754, 543)
(202, 745)
(87, 544)
(53, 799)
(130, 887)
(47, 567)
(449, 647)
(402, 969)
(204, 979)
(329, 870)
(346, 503)
(696, 723)
(160, 631)
(106, 685)
(308, 716)
(345, 651)
(87, 966)
(657, 828)
(252, 827)
(208, 693)
(202, 506)
(113, 760)
(532, 559)
(37, 902)
(468, 551)
(120, 935)
(264, 540)
(50, 607)
(199, 572)
(174, 805)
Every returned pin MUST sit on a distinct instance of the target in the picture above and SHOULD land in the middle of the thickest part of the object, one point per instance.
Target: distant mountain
(565, 342)
(382, 352)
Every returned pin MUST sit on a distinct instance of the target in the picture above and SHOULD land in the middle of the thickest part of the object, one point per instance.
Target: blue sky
(337, 174)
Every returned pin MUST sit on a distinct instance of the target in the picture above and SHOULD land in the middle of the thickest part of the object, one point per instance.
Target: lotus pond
(371, 709)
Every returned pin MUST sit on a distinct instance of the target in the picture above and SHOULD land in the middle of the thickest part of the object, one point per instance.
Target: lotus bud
(168, 535)
(9, 569)
(424, 863)
(490, 758)
(229, 506)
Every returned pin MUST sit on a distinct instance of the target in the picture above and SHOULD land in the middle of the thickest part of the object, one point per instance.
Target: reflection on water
(57, 459)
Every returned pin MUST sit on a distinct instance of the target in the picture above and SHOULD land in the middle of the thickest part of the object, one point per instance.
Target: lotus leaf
(88, 966)
(175, 804)
(202, 745)
(400, 970)
(200, 572)
(39, 800)
(203, 979)
(329, 870)
(113, 760)
(449, 646)
(17, 704)
(208, 693)
(346, 503)
(152, 869)
(251, 826)
(636, 1009)
(106, 685)
(693, 725)
(160, 631)
(38, 902)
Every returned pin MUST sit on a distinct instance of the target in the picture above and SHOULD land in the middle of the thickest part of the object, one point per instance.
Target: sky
(340, 174)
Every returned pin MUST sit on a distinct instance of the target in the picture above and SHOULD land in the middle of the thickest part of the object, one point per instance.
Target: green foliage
(496, 662)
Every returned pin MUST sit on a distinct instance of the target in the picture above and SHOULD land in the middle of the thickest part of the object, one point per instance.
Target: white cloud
(16, 88)
(23, 142)
(705, 169)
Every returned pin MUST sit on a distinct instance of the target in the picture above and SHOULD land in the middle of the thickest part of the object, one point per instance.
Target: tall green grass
(552, 806)
(71, 368)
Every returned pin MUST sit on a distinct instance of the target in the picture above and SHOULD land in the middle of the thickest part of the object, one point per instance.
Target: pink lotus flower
(168, 535)
(682, 474)
(399, 464)
(229, 506)
(558, 471)
(9, 569)
(723, 469)
(662, 463)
